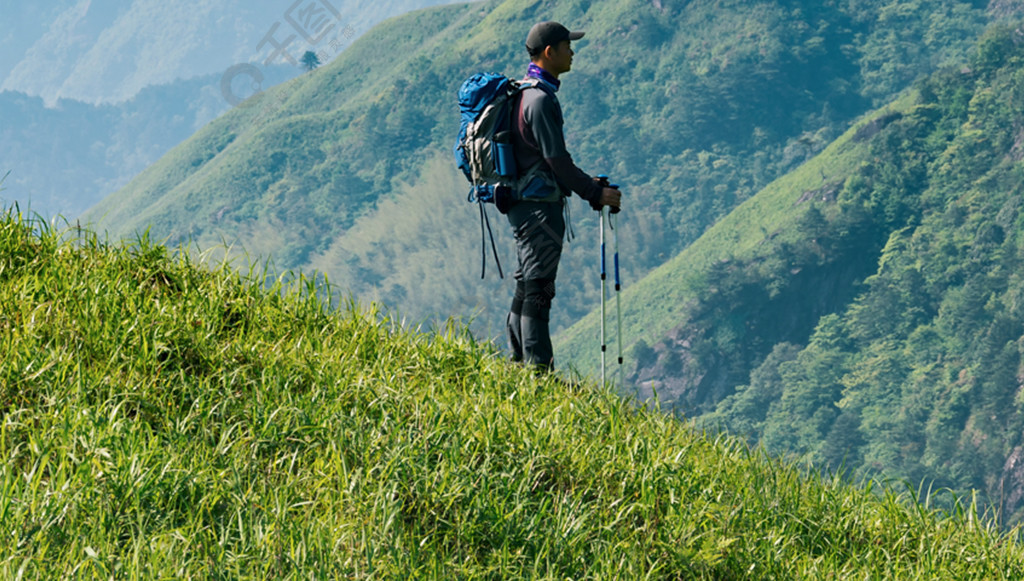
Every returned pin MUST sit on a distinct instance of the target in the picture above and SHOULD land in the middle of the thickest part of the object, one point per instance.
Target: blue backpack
(484, 150)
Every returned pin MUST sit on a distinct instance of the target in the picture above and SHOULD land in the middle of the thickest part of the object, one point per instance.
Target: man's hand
(610, 197)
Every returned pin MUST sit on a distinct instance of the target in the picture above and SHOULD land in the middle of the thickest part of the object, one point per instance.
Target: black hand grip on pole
(605, 183)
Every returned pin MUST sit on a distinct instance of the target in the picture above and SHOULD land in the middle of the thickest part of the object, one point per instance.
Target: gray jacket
(539, 142)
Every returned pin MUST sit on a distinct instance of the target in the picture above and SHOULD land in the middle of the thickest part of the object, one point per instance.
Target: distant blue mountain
(103, 51)
(65, 158)
(93, 91)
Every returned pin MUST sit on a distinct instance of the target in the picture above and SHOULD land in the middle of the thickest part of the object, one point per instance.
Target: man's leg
(537, 349)
(513, 322)
(538, 229)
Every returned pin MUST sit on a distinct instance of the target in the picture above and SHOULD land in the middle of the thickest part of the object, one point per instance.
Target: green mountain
(864, 311)
(93, 92)
(161, 419)
(693, 106)
(677, 318)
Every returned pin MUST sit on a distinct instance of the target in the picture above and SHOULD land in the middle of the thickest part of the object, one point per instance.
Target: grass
(160, 418)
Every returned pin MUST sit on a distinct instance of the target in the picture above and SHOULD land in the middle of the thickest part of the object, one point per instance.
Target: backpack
(484, 150)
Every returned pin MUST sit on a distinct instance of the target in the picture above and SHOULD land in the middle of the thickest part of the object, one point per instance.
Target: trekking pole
(612, 222)
(604, 344)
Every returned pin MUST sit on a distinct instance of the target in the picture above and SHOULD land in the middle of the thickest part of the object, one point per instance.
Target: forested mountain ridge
(347, 169)
(869, 306)
(920, 376)
(681, 321)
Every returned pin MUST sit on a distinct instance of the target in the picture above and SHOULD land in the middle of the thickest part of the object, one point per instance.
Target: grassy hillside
(864, 311)
(694, 107)
(164, 420)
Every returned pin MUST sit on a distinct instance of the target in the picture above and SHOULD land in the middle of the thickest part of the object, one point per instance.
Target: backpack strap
(534, 83)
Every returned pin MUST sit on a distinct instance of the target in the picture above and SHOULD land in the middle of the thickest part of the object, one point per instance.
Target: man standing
(538, 221)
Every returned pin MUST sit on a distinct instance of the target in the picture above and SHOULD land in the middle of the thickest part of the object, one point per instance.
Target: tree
(310, 60)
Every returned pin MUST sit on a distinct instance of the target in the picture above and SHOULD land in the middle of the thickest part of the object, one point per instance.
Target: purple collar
(539, 73)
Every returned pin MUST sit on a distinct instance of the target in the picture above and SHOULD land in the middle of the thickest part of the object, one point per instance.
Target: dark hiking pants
(538, 229)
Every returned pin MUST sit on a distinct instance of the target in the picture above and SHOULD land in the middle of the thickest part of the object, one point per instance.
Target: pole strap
(485, 220)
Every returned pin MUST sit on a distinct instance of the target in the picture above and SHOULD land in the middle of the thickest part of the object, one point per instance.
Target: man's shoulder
(536, 95)
(537, 86)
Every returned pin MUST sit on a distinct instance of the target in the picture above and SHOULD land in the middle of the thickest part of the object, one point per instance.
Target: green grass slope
(163, 420)
(669, 98)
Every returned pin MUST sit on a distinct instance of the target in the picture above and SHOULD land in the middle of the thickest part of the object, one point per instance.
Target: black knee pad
(518, 298)
(537, 302)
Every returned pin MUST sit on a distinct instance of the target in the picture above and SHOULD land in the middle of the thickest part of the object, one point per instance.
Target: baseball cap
(548, 34)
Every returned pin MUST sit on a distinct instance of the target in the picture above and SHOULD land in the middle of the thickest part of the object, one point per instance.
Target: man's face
(560, 57)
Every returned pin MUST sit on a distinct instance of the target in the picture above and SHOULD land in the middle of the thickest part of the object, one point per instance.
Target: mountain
(94, 91)
(165, 419)
(106, 51)
(863, 312)
(694, 107)
(103, 51)
(32, 20)
(683, 306)
(65, 158)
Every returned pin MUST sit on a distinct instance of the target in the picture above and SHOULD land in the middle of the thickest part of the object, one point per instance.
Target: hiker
(538, 219)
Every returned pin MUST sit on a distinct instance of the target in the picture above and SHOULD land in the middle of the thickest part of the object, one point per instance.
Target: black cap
(545, 34)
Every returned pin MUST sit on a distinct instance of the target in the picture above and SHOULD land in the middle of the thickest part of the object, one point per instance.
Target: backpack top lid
(478, 91)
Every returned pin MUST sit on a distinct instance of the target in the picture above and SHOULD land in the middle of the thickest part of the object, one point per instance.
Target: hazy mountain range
(93, 91)
(106, 51)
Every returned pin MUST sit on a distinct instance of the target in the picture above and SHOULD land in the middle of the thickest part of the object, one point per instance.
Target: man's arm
(572, 178)
(545, 119)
